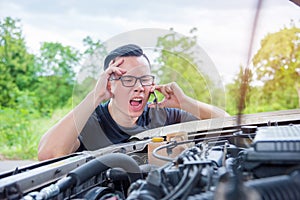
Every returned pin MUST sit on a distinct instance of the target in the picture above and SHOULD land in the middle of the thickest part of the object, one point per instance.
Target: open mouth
(136, 103)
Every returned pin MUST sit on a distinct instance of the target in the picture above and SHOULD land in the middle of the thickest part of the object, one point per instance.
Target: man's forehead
(139, 60)
(137, 70)
(135, 63)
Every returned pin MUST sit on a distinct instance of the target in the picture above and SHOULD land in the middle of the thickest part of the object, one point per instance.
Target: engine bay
(252, 161)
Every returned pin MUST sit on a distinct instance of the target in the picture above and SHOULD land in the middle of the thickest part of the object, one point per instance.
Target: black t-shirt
(101, 130)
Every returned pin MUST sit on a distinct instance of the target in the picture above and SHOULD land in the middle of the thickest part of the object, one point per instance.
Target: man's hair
(124, 51)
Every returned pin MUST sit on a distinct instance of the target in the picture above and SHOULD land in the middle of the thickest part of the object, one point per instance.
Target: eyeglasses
(130, 81)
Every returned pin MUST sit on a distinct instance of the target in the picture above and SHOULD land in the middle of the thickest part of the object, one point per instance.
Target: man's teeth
(137, 99)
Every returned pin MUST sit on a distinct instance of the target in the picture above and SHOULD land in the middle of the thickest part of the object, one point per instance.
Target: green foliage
(33, 87)
(17, 66)
(93, 47)
(21, 131)
(56, 75)
(277, 65)
(42, 82)
(17, 136)
(177, 62)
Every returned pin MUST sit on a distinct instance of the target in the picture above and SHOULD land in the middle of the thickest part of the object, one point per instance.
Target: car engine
(252, 161)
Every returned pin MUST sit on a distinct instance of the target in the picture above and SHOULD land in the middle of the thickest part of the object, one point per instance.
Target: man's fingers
(114, 68)
(116, 62)
(169, 89)
(163, 89)
(120, 71)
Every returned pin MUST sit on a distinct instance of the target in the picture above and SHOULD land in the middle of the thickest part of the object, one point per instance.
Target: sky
(223, 27)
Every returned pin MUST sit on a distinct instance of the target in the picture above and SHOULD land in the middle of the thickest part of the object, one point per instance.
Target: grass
(20, 133)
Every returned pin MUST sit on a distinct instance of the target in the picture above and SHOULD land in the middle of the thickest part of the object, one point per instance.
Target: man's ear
(109, 86)
(109, 89)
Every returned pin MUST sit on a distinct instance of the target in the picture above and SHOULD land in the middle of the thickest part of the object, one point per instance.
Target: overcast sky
(224, 27)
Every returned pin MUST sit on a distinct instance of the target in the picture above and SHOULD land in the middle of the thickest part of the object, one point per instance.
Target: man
(118, 107)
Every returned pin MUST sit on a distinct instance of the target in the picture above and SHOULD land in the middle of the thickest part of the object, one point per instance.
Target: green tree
(17, 66)
(32, 86)
(277, 65)
(18, 100)
(56, 75)
(92, 47)
(183, 61)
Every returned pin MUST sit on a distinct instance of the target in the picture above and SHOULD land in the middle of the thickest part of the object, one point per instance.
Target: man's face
(130, 101)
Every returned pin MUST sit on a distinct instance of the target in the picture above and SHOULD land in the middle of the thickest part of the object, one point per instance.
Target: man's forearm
(62, 138)
(202, 110)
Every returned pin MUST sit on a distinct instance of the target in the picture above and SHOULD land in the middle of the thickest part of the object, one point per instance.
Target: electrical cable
(180, 184)
(185, 191)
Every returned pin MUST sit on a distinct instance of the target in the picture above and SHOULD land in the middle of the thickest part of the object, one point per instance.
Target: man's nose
(138, 86)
